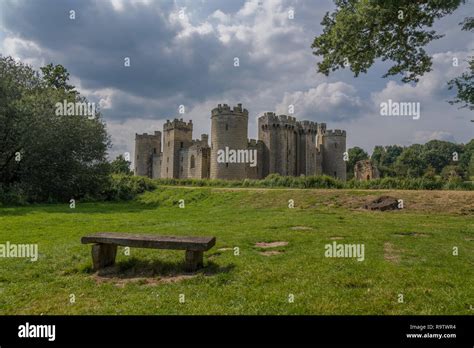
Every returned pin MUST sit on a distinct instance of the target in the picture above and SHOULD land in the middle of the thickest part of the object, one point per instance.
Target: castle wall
(229, 128)
(285, 146)
(146, 145)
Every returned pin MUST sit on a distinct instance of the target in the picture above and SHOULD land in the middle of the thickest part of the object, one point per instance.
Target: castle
(284, 146)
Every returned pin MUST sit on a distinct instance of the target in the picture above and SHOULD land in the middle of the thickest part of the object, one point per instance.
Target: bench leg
(194, 260)
(103, 255)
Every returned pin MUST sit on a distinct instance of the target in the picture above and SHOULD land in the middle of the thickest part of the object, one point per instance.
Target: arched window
(226, 127)
(193, 162)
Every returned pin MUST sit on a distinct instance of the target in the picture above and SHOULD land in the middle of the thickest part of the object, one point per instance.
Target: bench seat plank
(151, 241)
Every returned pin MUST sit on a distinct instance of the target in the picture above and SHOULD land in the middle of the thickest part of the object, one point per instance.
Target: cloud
(327, 102)
(425, 136)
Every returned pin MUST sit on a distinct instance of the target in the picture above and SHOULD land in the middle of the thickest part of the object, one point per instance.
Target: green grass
(432, 280)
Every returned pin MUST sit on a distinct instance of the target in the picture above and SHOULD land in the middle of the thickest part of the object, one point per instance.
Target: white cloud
(425, 136)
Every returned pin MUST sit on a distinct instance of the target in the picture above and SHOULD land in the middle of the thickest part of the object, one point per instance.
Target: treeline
(436, 159)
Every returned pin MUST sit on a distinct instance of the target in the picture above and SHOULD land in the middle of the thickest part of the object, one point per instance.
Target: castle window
(138, 157)
(181, 169)
(154, 150)
(167, 160)
(193, 164)
(227, 165)
(335, 145)
(181, 144)
(168, 144)
(166, 170)
(226, 127)
(335, 174)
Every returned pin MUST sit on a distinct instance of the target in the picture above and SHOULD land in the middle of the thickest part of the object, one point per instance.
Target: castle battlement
(335, 132)
(308, 126)
(147, 136)
(226, 109)
(178, 124)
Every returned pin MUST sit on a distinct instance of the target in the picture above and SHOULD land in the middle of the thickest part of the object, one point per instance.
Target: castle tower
(146, 146)
(229, 129)
(333, 148)
(280, 136)
(177, 135)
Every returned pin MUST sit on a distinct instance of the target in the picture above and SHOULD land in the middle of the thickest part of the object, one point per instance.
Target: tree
(385, 158)
(360, 31)
(409, 162)
(355, 154)
(121, 166)
(57, 76)
(452, 173)
(50, 156)
(438, 154)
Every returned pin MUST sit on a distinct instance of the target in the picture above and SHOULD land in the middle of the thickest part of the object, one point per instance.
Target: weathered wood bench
(105, 245)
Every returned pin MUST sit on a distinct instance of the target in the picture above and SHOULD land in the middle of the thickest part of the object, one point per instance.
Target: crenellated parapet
(224, 109)
(178, 124)
(145, 136)
(335, 133)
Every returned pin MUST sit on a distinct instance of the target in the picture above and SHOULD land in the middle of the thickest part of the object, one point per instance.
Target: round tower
(334, 146)
(229, 129)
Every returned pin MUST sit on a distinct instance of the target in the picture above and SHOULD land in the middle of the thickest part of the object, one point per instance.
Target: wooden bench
(105, 246)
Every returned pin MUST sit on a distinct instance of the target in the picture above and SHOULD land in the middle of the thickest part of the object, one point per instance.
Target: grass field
(408, 252)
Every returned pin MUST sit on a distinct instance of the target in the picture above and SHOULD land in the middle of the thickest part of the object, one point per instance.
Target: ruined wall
(366, 170)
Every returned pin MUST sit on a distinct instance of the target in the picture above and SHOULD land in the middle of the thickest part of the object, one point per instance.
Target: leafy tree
(409, 163)
(51, 157)
(385, 158)
(56, 76)
(355, 154)
(438, 154)
(360, 31)
(121, 166)
(452, 173)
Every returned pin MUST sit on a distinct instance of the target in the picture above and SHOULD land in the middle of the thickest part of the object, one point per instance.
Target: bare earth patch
(121, 282)
(301, 228)
(270, 245)
(271, 252)
(224, 249)
(411, 234)
(390, 253)
(336, 238)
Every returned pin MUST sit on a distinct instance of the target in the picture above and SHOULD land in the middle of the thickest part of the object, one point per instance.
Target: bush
(126, 187)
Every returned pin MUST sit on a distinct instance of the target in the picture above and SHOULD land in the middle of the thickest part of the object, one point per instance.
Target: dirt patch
(301, 228)
(390, 253)
(411, 234)
(469, 239)
(121, 282)
(270, 245)
(336, 238)
(382, 203)
(224, 249)
(271, 252)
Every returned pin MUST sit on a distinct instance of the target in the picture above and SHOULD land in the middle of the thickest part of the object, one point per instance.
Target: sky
(183, 53)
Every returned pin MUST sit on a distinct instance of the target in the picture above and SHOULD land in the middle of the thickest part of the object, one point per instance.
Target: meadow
(408, 252)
